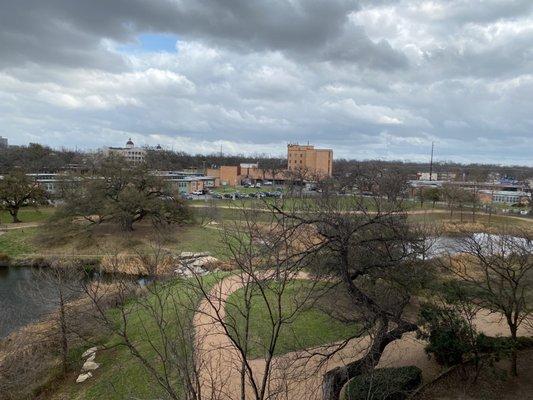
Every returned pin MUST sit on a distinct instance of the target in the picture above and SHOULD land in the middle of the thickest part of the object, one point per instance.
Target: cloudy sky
(368, 78)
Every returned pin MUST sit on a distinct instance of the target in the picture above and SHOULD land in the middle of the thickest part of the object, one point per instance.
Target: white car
(197, 193)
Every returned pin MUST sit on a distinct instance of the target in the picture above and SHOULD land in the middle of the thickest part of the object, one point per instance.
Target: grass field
(310, 327)
(480, 220)
(121, 375)
(31, 241)
(28, 215)
(17, 242)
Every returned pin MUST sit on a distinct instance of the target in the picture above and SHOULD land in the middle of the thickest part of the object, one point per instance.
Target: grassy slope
(121, 375)
(28, 215)
(311, 327)
(17, 242)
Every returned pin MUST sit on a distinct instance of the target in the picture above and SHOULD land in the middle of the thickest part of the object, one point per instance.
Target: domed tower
(158, 147)
(129, 144)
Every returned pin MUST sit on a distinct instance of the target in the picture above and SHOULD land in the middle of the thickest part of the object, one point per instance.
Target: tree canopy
(17, 189)
(124, 194)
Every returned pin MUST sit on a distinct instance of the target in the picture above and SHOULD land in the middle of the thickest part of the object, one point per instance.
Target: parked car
(198, 193)
(218, 196)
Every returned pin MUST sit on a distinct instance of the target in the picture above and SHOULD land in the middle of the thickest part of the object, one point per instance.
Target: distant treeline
(38, 158)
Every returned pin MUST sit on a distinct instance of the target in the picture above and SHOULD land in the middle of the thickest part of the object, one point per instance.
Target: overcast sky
(370, 79)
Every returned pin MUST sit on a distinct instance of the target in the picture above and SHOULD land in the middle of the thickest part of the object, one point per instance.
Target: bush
(449, 335)
(384, 384)
(502, 345)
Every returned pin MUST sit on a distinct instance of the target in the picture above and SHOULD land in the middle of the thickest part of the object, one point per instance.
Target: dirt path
(20, 225)
(297, 375)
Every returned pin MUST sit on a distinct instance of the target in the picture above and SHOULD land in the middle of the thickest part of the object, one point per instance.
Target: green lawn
(496, 221)
(121, 375)
(28, 214)
(198, 239)
(17, 242)
(310, 327)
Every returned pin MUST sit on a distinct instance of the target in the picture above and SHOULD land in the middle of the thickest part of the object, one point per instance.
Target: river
(19, 304)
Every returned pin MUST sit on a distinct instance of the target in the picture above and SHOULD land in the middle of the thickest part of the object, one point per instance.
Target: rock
(202, 261)
(83, 377)
(188, 271)
(185, 255)
(90, 366)
(88, 352)
(91, 357)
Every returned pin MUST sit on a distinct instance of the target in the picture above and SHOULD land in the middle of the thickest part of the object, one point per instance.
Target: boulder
(83, 377)
(89, 352)
(185, 255)
(89, 366)
(203, 261)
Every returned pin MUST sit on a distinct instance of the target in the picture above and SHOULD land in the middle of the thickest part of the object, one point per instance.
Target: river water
(18, 303)
(25, 297)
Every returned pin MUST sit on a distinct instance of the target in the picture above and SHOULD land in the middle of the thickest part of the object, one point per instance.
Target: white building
(510, 197)
(131, 153)
(3, 142)
(436, 176)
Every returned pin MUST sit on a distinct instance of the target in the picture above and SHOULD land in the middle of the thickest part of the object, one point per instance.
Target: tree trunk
(335, 378)
(15, 215)
(127, 225)
(63, 327)
(514, 352)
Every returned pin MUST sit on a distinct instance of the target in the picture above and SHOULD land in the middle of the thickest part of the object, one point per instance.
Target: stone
(88, 352)
(185, 255)
(83, 377)
(89, 366)
(202, 261)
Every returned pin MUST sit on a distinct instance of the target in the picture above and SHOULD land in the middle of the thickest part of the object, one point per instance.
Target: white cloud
(379, 79)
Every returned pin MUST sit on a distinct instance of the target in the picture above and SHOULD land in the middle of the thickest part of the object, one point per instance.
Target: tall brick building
(315, 161)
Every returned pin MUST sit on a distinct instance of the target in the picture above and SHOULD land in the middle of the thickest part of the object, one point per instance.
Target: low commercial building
(3, 142)
(511, 197)
(235, 175)
(132, 154)
(436, 176)
(186, 181)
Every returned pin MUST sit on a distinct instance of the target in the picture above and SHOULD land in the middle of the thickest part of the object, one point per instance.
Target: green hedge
(384, 384)
(502, 344)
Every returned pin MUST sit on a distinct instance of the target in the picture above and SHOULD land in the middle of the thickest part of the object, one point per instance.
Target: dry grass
(493, 383)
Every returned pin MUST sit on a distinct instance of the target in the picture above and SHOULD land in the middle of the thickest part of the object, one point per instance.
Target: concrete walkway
(296, 375)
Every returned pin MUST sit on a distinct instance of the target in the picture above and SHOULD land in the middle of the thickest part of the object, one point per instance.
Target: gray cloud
(370, 78)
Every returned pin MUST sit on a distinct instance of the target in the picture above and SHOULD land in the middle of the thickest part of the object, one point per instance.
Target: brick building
(314, 161)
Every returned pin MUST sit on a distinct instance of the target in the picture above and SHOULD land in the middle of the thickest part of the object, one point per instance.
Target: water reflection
(22, 291)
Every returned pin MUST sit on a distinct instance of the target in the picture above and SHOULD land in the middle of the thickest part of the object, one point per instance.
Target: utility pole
(431, 163)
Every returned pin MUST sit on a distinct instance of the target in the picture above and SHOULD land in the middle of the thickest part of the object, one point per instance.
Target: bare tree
(268, 256)
(369, 249)
(59, 285)
(499, 270)
(154, 320)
